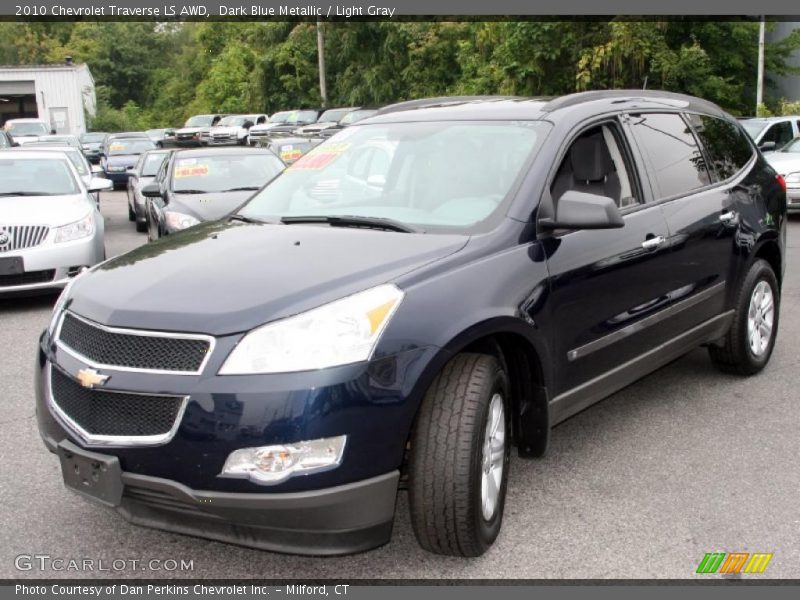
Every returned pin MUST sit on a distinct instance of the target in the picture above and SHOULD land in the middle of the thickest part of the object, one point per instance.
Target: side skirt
(577, 399)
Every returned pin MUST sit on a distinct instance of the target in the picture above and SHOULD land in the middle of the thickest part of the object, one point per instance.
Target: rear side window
(726, 145)
(674, 161)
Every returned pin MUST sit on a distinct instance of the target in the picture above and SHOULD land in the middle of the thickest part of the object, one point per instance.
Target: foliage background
(157, 74)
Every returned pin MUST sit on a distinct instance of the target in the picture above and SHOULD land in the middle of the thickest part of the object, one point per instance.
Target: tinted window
(727, 149)
(117, 147)
(152, 163)
(675, 164)
(225, 172)
(780, 133)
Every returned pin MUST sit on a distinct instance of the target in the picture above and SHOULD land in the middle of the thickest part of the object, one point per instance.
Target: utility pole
(323, 88)
(760, 82)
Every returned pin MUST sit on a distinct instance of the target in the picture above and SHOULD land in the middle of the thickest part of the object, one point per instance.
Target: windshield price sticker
(116, 147)
(191, 171)
(320, 157)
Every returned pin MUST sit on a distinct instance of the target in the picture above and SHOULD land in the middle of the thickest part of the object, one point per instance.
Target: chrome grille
(133, 350)
(18, 237)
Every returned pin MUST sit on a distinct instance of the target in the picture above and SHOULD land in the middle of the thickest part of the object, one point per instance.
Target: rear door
(701, 216)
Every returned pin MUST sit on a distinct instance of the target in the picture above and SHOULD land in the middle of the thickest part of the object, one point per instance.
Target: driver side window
(595, 163)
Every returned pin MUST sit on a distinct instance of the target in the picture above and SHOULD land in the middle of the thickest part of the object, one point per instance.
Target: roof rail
(440, 101)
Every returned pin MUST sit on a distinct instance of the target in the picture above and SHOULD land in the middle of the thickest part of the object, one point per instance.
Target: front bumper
(65, 260)
(339, 520)
(117, 176)
(793, 199)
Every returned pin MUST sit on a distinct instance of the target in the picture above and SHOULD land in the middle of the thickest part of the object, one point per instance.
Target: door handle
(728, 217)
(653, 242)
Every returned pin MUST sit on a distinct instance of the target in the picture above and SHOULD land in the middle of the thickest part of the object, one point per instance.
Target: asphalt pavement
(643, 484)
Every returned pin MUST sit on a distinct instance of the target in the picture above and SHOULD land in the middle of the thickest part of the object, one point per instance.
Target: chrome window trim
(110, 441)
(141, 333)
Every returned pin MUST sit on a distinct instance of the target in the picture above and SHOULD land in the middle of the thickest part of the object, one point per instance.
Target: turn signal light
(781, 182)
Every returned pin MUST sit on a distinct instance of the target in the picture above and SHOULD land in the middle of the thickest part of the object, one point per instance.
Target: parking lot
(686, 461)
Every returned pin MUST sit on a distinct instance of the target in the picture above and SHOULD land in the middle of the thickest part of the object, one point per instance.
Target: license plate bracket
(96, 476)
(11, 265)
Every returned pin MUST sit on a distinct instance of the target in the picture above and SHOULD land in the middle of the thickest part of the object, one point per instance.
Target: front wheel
(458, 466)
(748, 345)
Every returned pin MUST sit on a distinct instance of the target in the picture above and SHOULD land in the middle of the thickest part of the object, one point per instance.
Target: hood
(274, 127)
(25, 139)
(228, 277)
(784, 162)
(318, 126)
(52, 211)
(208, 207)
(230, 130)
(122, 160)
(184, 130)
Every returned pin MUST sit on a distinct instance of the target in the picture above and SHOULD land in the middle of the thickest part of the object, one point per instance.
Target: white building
(60, 94)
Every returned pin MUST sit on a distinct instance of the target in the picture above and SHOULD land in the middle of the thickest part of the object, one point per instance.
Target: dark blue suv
(401, 306)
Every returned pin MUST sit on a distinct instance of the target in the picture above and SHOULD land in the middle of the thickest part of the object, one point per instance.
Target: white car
(233, 129)
(24, 131)
(50, 226)
(772, 133)
(786, 161)
(86, 171)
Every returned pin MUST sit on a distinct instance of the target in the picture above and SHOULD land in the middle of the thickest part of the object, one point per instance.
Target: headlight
(275, 464)
(793, 177)
(342, 332)
(177, 221)
(77, 230)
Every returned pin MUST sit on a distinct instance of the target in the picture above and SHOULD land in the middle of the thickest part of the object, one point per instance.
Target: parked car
(786, 161)
(192, 131)
(120, 155)
(26, 130)
(772, 133)
(86, 171)
(330, 118)
(58, 140)
(50, 227)
(143, 173)
(232, 130)
(487, 269)
(289, 149)
(92, 145)
(281, 123)
(160, 136)
(353, 116)
(204, 185)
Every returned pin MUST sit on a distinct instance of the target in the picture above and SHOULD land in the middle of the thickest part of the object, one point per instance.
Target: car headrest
(590, 159)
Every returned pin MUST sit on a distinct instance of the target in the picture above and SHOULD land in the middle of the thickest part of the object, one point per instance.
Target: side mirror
(52, 132)
(767, 146)
(98, 184)
(97, 169)
(247, 124)
(151, 190)
(578, 210)
(131, 167)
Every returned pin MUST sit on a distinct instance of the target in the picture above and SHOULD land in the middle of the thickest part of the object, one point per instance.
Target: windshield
(93, 138)
(76, 158)
(356, 115)
(223, 173)
(27, 129)
(793, 147)
(36, 177)
(280, 117)
(129, 146)
(334, 115)
(199, 121)
(152, 163)
(448, 175)
(236, 121)
(753, 127)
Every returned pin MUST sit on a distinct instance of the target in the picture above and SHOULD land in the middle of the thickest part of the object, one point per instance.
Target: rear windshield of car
(152, 163)
(280, 117)
(450, 176)
(753, 127)
(199, 121)
(129, 146)
(93, 138)
(223, 173)
(356, 115)
(23, 129)
(36, 177)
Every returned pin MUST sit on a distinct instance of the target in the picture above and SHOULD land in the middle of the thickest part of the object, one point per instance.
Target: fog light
(275, 464)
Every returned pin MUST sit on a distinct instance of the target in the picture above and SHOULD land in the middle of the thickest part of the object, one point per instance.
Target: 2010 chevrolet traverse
(402, 305)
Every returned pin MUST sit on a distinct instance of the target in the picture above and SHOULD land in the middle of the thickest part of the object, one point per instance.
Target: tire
(738, 352)
(141, 227)
(131, 213)
(447, 457)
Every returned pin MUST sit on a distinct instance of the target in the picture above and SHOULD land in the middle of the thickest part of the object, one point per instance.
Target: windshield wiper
(352, 221)
(246, 188)
(246, 219)
(189, 192)
(29, 194)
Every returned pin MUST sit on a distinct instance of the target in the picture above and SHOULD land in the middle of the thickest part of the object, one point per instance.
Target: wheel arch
(770, 251)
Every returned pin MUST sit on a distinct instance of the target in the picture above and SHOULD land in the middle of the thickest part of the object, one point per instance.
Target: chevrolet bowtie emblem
(89, 378)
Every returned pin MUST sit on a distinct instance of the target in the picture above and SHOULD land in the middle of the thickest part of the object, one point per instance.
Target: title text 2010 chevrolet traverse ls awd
(402, 305)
